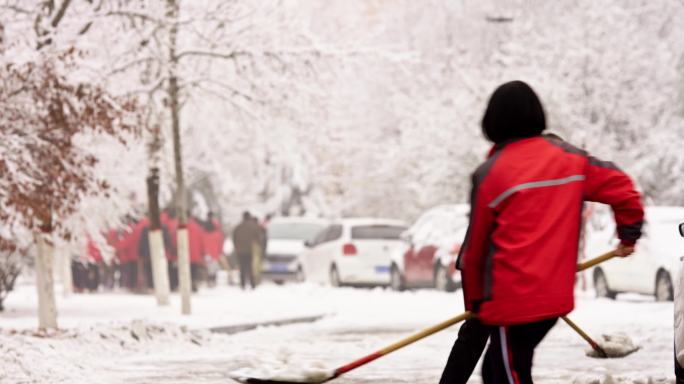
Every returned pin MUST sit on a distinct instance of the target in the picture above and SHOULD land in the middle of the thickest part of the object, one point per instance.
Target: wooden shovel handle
(401, 344)
(597, 260)
(594, 345)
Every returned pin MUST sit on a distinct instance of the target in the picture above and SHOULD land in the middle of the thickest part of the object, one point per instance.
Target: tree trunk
(184, 278)
(160, 273)
(47, 308)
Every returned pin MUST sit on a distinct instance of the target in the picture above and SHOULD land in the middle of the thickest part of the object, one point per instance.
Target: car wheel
(299, 275)
(663, 287)
(396, 280)
(601, 285)
(335, 277)
(442, 280)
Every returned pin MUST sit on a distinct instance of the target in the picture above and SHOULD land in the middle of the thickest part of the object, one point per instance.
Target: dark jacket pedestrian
(245, 236)
(519, 257)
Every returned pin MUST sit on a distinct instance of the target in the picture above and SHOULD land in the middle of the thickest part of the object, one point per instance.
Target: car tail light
(349, 250)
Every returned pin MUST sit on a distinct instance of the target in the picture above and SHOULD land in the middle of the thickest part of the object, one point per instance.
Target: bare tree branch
(16, 9)
(60, 13)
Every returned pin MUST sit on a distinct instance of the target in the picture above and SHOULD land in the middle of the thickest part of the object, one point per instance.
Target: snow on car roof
(655, 215)
(451, 208)
(665, 213)
(442, 225)
(299, 219)
(372, 221)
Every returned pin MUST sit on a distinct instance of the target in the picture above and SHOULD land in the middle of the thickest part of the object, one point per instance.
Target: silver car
(286, 237)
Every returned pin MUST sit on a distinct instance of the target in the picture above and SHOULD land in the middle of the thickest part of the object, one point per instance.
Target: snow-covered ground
(123, 338)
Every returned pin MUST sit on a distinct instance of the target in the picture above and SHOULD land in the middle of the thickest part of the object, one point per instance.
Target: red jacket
(92, 251)
(520, 254)
(213, 240)
(116, 238)
(196, 239)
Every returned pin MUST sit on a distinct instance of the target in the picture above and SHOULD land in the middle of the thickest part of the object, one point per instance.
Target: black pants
(509, 357)
(246, 272)
(173, 275)
(197, 275)
(471, 342)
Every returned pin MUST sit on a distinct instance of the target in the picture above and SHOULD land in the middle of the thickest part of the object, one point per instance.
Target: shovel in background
(611, 346)
(319, 378)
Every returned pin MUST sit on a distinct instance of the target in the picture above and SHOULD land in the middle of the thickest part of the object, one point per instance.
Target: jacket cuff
(630, 233)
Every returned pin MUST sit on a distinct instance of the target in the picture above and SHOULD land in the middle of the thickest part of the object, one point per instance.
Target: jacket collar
(497, 147)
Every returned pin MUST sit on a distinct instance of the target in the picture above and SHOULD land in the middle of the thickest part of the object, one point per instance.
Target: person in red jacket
(213, 246)
(169, 223)
(519, 257)
(196, 243)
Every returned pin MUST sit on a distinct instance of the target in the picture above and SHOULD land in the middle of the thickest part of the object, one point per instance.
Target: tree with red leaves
(43, 172)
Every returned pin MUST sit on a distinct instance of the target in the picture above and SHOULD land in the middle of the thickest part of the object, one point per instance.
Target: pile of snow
(609, 379)
(75, 355)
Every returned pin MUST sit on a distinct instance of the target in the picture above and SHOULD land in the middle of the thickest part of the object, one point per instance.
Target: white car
(286, 237)
(432, 246)
(353, 252)
(652, 268)
(679, 319)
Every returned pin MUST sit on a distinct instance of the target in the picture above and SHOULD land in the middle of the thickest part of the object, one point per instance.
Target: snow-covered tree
(45, 174)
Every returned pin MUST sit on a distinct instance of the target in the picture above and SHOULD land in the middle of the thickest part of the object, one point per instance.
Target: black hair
(514, 111)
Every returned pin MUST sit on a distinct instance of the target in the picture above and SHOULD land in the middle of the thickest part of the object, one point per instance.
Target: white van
(652, 268)
(286, 237)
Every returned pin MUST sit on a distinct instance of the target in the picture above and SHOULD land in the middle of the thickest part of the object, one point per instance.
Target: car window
(294, 230)
(319, 238)
(382, 232)
(333, 233)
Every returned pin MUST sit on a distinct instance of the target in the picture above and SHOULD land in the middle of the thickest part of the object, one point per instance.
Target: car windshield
(384, 232)
(294, 231)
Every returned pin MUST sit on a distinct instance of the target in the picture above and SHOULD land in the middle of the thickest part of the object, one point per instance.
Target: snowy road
(359, 321)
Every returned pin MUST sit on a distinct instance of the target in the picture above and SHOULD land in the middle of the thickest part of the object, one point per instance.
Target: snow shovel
(612, 346)
(324, 377)
(594, 345)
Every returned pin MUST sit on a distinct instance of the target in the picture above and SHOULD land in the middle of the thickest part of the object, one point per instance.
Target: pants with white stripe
(509, 357)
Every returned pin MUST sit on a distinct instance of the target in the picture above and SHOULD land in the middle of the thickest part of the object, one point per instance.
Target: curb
(233, 329)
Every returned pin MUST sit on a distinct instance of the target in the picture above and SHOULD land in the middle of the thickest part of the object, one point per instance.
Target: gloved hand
(624, 250)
